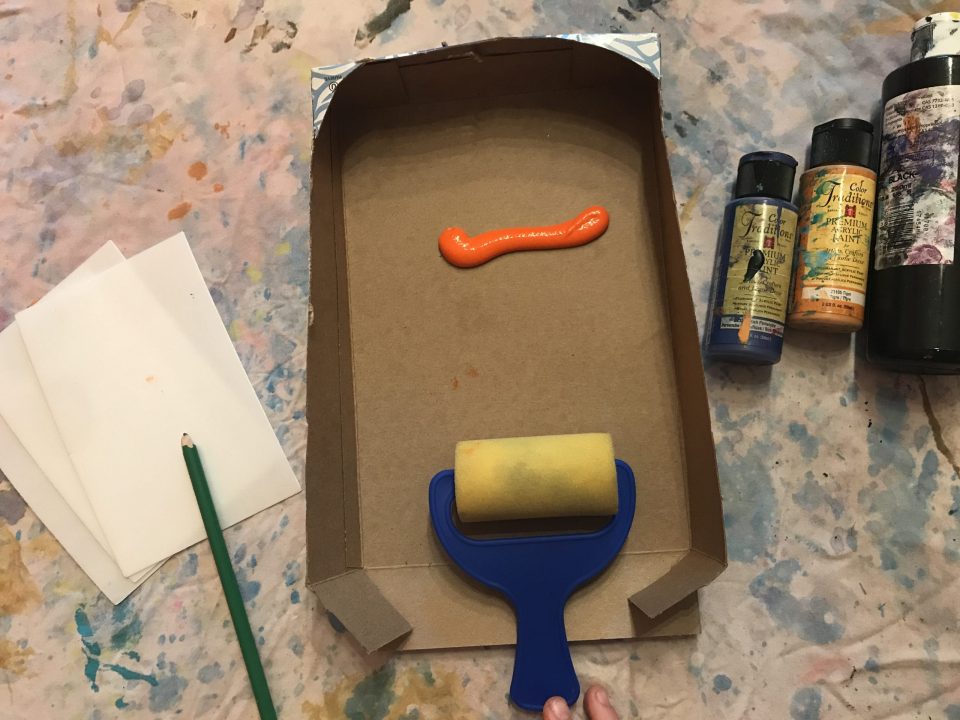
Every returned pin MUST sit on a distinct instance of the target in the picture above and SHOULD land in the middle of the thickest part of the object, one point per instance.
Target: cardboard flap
(358, 603)
(689, 574)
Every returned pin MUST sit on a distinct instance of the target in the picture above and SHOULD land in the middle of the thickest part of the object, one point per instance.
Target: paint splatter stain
(209, 673)
(455, 383)
(473, 372)
(150, 379)
(198, 170)
(743, 334)
(231, 34)
(178, 211)
(721, 683)
(167, 691)
(91, 649)
(381, 22)
(811, 618)
(18, 592)
(805, 704)
(12, 506)
(223, 129)
(218, 187)
(391, 696)
(14, 658)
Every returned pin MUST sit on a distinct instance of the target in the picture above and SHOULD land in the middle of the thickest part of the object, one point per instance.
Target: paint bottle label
(836, 222)
(917, 194)
(758, 269)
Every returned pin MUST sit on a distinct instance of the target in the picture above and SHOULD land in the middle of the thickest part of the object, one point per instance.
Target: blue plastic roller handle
(536, 575)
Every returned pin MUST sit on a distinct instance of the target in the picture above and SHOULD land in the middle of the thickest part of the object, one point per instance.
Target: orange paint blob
(218, 187)
(743, 334)
(178, 211)
(197, 171)
(463, 251)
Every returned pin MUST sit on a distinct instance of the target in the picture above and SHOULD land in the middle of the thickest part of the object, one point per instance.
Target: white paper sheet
(24, 407)
(61, 521)
(21, 395)
(128, 361)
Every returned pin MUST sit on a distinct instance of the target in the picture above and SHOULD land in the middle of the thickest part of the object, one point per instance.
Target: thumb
(597, 703)
(556, 709)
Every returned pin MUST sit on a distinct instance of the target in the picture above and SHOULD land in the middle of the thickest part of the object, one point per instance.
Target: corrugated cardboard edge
(707, 557)
(640, 48)
(358, 604)
(692, 572)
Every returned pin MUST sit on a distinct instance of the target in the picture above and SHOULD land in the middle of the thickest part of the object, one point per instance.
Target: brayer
(535, 477)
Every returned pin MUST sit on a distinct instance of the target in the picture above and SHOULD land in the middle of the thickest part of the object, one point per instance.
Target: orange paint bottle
(837, 197)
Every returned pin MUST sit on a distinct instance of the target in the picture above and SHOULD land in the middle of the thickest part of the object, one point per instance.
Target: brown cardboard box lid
(408, 355)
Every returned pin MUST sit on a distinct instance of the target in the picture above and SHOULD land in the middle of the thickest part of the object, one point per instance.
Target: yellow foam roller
(535, 477)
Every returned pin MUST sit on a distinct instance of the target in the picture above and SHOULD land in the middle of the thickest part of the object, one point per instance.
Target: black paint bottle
(914, 297)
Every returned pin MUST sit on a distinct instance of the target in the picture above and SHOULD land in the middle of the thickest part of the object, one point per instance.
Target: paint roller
(535, 477)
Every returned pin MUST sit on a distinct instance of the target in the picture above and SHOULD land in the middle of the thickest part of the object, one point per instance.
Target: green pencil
(248, 646)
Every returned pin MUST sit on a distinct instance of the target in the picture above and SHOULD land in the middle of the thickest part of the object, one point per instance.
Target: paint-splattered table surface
(130, 120)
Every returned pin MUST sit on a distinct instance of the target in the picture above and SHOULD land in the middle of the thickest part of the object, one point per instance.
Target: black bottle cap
(765, 174)
(845, 141)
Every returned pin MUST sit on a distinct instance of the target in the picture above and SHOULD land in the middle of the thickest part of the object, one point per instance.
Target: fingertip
(598, 706)
(556, 709)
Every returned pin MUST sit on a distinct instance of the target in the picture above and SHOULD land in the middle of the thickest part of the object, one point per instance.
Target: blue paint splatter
(750, 502)
(188, 568)
(209, 673)
(128, 674)
(805, 704)
(809, 445)
(133, 655)
(284, 521)
(249, 589)
(91, 650)
(721, 683)
(816, 261)
(871, 665)
(900, 508)
(240, 553)
(167, 692)
(295, 597)
(805, 616)
(130, 632)
(811, 495)
(121, 704)
(292, 573)
(372, 696)
(296, 645)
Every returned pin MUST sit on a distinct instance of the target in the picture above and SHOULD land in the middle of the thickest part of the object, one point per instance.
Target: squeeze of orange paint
(198, 170)
(178, 211)
(463, 251)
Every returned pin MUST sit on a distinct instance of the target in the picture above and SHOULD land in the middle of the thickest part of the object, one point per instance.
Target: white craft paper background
(129, 361)
(24, 407)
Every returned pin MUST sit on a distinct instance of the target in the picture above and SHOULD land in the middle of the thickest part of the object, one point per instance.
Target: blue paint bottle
(754, 263)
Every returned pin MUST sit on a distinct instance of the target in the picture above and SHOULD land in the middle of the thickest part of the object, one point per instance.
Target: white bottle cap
(936, 34)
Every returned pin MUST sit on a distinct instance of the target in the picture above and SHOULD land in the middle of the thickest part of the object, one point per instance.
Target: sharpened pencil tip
(185, 441)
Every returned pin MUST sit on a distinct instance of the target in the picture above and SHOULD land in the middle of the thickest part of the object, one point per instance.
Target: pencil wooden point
(185, 441)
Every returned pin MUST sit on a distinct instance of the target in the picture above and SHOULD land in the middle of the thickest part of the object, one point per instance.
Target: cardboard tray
(407, 355)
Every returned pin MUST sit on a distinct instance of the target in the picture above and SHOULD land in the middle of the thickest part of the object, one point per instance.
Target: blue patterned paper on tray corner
(640, 48)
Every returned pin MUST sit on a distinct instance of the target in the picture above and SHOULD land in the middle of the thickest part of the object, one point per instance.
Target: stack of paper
(101, 378)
